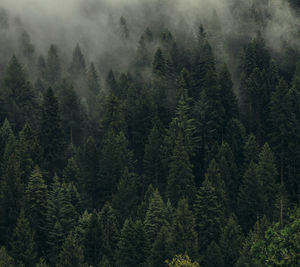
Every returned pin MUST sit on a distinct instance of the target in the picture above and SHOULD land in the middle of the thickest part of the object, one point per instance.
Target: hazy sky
(87, 21)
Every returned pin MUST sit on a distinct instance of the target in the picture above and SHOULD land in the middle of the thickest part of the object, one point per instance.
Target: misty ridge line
(95, 25)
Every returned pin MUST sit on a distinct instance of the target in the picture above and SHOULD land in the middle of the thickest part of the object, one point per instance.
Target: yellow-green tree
(182, 261)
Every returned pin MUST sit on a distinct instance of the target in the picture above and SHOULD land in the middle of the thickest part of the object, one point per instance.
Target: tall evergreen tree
(11, 197)
(127, 197)
(110, 232)
(22, 242)
(36, 207)
(180, 178)
(17, 95)
(71, 254)
(208, 214)
(267, 174)
(53, 65)
(70, 114)
(250, 198)
(231, 241)
(51, 135)
(155, 217)
(78, 67)
(131, 247)
(184, 234)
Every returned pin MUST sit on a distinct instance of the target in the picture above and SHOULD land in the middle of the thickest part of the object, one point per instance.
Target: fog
(94, 24)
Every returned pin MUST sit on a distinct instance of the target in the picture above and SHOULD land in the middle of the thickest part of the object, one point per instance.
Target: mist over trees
(149, 133)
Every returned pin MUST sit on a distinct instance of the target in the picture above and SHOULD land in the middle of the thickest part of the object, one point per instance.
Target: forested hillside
(149, 133)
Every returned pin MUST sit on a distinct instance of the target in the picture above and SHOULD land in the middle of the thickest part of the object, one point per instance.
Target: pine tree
(53, 65)
(78, 67)
(36, 207)
(131, 247)
(142, 55)
(251, 151)
(11, 196)
(5, 259)
(112, 83)
(110, 232)
(250, 198)
(213, 256)
(123, 28)
(162, 248)
(92, 240)
(71, 254)
(22, 242)
(155, 217)
(93, 84)
(213, 175)
(51, 135)
(89, 166)
(115, 157)
(27, 47)
(61, 218)
(41, 68)
(209, 215)
(231, 241)
(18, 98)
(158, 68)
(284, 133)
(267, 175)
(5, 133)
(152, 165)
(126, 199)
(184, 234)
(229, 173)
(70, 111)
(28, 151)
(180, 178)
(71, 172)
(229, 99)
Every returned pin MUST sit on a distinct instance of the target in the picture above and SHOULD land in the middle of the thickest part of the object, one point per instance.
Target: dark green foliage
(61, 217)
(11, 196)
(89, 167)
(78, 67)
(158, 137)
(132, 244)
(17, 95)
(180, 178)
(51, 134)
(115, 158)
(126, 199)
(6, 259)
(228, 97)
(209, 213)
(22, 242)
(162, 248)
(70, 111)
(231, 241)
(92, 240)
(213, 256)
(110, 232)
(53, 65)
(229, 173)
(184, 234)
(71, 254)
(36, 207)
(152, 163)
(250, 198)
(268, 175)
(155, 217)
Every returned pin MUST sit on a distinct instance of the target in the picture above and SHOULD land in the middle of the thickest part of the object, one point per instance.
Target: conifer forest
(149, 133)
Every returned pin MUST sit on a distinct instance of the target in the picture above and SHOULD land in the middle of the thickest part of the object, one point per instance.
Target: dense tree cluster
(163, 164)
